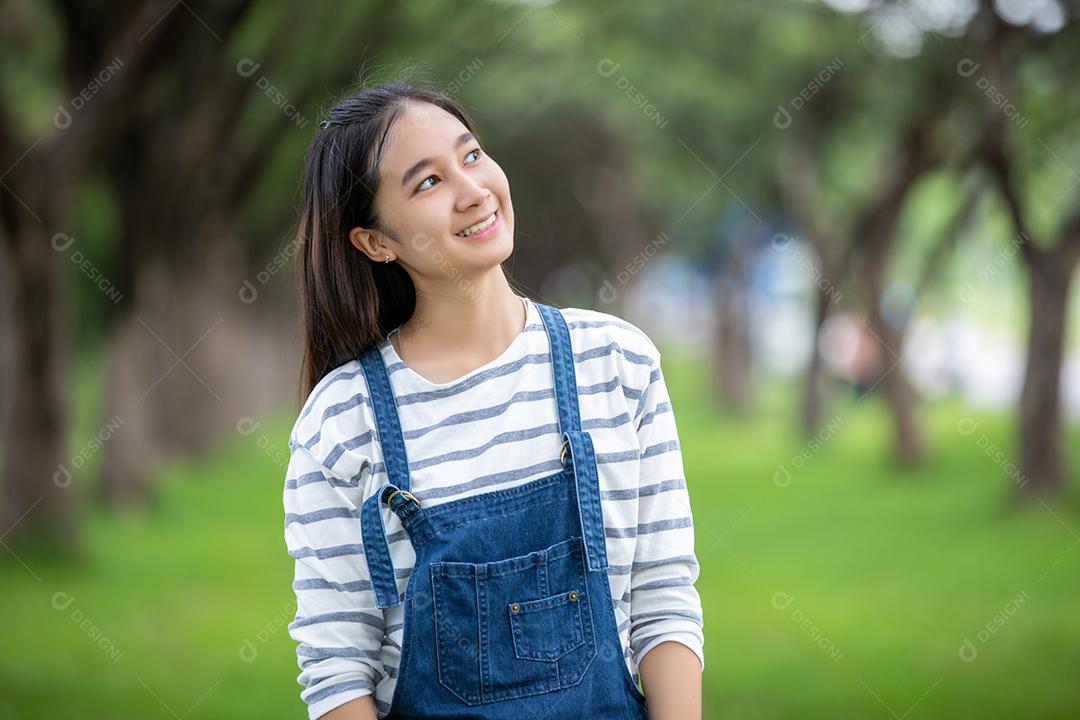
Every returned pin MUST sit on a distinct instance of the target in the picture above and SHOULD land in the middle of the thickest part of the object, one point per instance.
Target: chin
(480, 260)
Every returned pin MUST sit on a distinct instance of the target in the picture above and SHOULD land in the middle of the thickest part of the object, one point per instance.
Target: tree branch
(1069, 240)
(993, 148)
(147, 22)
(949, 237)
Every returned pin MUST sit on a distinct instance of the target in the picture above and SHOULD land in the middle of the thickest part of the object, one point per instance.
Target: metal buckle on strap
(562, 454)
(408, 495)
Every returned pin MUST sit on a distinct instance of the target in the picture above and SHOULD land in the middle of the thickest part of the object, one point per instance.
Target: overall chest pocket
(514, 627)
(548, 628)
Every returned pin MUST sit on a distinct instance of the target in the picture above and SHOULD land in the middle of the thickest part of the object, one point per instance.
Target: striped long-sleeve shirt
(494, 428)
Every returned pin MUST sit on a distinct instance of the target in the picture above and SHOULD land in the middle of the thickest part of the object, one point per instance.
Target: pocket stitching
(451, 571)
(495, 568)
(522, 650)
(440, 659)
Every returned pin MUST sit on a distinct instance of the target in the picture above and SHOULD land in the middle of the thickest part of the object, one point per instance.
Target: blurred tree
(741, 241)
(944, 68)
(185, 163)
(853, 227)
(43, 164)
(875, 234)
(611, 133)
(1049, 256)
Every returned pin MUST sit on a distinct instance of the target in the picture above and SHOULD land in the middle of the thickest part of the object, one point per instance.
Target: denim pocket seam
(481, 685)
(441, 659)
(495, 568)
(523, 650)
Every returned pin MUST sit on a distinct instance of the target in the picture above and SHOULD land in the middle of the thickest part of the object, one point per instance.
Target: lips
(490, 217)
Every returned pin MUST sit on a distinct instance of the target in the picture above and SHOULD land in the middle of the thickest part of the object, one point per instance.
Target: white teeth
(473, 229)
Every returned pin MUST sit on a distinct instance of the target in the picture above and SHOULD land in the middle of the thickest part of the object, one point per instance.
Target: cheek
(420, 227)
(430, 216)
(499, 182)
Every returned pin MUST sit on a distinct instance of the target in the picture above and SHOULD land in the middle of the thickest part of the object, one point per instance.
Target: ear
(371, 243)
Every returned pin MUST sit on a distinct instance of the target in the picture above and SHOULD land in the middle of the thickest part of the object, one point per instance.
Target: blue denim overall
(508, 611)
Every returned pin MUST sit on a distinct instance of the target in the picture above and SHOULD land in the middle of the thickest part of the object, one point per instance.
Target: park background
(850, 226)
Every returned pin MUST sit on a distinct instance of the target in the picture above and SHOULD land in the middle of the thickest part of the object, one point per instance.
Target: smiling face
(443, 204)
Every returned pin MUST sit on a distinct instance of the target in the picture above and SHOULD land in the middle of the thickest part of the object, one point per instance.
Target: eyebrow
(465, 137)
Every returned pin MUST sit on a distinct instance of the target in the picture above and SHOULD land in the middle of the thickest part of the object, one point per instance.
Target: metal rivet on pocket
(514, 607)
(573, 595)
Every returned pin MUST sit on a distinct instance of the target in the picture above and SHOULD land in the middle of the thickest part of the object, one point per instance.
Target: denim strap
(387, 423)
(580, 449)
(377, 550)
(392, 443)
(562, 368)
(587, 485)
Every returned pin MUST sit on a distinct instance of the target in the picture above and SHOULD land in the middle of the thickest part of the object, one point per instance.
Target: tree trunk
(876, 233)
(800, 182)
(128, 458)
(239, 363)
(1042, 463)
(908, 445)
(731, 371)
(812, 401)
(36, 491)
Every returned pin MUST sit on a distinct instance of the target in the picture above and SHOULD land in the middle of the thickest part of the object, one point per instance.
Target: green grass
(177, 590)
(894, 568)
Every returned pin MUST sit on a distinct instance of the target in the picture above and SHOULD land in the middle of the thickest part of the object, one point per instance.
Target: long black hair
(348, 302)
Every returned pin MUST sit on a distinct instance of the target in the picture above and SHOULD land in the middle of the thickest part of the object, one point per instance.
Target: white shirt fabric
(494, 428)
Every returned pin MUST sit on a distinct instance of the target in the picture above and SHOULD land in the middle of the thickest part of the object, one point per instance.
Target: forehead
(422, 130)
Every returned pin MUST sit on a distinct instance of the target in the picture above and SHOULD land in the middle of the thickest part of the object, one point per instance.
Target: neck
(480, 321)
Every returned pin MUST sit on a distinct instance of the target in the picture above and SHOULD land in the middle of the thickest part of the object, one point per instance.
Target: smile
(482, 228)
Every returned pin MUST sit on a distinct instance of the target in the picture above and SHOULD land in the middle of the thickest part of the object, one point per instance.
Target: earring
(387, 258)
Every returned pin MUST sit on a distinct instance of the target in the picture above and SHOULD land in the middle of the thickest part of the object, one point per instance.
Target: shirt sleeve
(338, 628)
(664, 604)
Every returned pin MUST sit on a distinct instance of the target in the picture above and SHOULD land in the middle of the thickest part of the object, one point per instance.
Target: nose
(472, 194)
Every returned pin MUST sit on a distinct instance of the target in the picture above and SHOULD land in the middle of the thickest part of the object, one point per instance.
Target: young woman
(485, 499)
